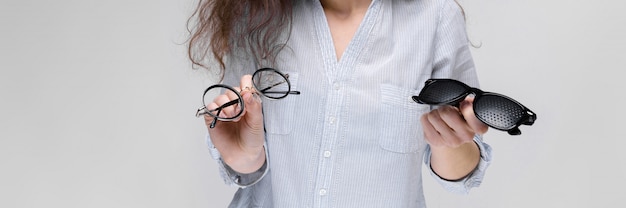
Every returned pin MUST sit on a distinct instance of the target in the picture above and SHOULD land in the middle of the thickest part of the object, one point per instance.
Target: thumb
(253, 109)
(467, 109)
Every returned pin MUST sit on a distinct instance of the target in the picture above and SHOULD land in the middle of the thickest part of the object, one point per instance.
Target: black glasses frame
(264, 90)
(493, 105)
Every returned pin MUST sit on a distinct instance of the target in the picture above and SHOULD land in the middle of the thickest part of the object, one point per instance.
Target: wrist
(246, 161)
(453, 163)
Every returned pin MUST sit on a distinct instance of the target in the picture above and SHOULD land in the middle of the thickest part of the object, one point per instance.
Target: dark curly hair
(219, 27)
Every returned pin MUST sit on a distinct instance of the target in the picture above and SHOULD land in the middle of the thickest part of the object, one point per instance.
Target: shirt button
(331, 119)
(336, 86)
(327, 154)
(323, 192)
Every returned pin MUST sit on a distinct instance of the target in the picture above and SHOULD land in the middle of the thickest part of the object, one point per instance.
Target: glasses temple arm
(281, 92)
(215, 119)
(530, 119)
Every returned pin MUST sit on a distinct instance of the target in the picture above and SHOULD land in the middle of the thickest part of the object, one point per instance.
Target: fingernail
(257, 97)
(246, 97)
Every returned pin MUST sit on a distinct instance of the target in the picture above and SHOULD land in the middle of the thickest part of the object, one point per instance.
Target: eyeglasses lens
(499, 112)
(271, 84)
(229, 106)
(442, 92)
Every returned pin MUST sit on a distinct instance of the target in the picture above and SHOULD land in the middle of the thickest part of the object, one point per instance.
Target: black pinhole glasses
(496, 110)
(268, 82)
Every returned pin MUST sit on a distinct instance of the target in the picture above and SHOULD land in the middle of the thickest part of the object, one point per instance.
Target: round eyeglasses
(267, 82)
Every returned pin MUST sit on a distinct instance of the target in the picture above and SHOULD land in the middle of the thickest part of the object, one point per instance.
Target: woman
(353, 137)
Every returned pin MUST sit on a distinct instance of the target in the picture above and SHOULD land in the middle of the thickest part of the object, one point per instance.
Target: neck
(345, 7)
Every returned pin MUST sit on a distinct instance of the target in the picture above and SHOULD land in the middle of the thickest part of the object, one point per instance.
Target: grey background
(97, 101)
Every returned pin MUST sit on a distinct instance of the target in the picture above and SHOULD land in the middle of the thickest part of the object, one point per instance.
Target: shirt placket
(338, 76)
(328, 145)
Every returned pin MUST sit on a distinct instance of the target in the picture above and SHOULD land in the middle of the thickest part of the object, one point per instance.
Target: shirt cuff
(473, 179)
(232, 177)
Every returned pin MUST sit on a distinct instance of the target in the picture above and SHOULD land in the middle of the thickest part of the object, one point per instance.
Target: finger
(208, 118)
(220, 100)
(448, 137)
(467, 110)
(251, 100)
(245, 83)
(227, 111)
(253, 110)
(431, 135)
(455, 121)
(234, 109)
(232, 94)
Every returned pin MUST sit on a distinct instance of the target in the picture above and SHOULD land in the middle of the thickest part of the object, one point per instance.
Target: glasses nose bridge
(475, 91)
(461, 97)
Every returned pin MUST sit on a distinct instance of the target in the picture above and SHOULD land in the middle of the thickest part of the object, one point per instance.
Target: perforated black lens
(443, 91)
(499, 112)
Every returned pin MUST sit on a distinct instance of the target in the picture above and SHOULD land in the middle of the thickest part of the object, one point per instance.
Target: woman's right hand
(240, 142)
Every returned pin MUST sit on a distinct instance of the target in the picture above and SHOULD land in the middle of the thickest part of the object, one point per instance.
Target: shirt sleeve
(452, 58)
(463, 186)
(232, 177)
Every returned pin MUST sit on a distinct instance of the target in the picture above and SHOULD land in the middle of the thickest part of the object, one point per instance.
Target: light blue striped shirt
(353, 138)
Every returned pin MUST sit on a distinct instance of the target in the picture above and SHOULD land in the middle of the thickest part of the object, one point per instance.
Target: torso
(353, 137)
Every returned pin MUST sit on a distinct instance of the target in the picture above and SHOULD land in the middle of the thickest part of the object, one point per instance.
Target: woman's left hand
(450, 133)
(451, 127)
